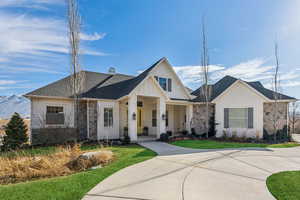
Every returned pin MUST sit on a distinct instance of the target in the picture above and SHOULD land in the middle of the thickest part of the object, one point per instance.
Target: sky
(130, 35)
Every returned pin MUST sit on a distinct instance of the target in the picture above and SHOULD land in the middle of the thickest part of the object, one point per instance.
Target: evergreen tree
(15, 132)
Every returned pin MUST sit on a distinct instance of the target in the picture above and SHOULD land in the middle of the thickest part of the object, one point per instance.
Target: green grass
(285, 185)
(75, 186)
(212, 144)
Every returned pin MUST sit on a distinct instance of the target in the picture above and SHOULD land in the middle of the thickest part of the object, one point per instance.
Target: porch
(144, 117)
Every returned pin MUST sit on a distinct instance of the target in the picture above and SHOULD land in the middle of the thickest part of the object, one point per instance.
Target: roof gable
(226, 82)
(165, 70)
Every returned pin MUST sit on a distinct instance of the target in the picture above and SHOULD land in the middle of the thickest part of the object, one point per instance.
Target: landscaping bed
(76, 185)
(217, 144)
(285, 185)
(19, 166)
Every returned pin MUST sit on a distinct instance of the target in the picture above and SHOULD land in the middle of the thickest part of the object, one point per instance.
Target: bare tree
(276, 95)
(77, 78)
(294, 116)
(205, 90)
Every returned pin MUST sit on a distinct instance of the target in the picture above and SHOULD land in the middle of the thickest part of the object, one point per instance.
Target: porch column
(189, 117)
(132, 124)
(161, 110)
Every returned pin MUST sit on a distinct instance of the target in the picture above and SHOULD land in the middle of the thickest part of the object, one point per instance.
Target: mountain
(14, 103)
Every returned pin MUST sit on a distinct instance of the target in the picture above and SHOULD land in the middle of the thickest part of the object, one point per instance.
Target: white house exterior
(156, 101)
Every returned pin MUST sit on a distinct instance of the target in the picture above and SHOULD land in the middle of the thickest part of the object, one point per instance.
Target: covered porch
(146, 117)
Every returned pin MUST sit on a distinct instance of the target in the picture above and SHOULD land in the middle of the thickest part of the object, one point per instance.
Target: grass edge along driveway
(285, 185)
(77, 185)
(212, 144)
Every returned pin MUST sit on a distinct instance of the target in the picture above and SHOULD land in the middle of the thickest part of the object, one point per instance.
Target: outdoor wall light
(163, 116)
(133, 116)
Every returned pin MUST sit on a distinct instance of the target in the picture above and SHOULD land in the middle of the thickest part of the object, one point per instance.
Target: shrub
(225, 135)
(164, 137)
(234, 135)
(15, 133)
(169, 133)
(184, 132)
(212, 126)
(145, 130)
(193, 131)
(126, 139)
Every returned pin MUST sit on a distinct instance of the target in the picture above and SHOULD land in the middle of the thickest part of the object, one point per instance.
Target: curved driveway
(188, 174)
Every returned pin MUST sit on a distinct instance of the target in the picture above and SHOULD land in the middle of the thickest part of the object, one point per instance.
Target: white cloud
(92, 37)
(192, 74)
(30, 35)
(35, 4)
(41, 40)
(251, 70)
(7, 82)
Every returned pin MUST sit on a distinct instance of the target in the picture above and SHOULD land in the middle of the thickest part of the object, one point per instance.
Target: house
(154, 102)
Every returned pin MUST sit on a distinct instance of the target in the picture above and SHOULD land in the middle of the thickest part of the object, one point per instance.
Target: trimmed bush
(164, 137)
(169, 133)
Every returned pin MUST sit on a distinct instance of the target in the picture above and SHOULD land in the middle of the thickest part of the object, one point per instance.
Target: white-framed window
(108, 117)
(55, 115)
(165, 83)
(238, 118)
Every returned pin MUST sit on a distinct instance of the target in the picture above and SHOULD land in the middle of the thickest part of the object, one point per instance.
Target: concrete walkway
(190, 174)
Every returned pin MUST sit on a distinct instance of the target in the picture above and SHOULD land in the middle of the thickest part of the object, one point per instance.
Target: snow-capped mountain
(14, 103)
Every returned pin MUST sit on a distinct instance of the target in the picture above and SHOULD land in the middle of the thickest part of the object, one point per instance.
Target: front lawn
(212, 144)
(77, 185)
(285, 185)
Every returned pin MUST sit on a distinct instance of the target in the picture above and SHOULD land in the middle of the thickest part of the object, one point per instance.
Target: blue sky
(130, 35)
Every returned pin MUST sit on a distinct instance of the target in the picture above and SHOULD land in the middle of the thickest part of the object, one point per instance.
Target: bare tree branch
(205, 90)
(276, 94)
(77, 77)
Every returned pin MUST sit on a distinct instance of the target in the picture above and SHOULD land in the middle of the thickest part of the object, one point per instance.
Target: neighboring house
(111, 104)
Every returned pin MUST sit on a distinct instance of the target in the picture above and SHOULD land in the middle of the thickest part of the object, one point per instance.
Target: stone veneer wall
(199, 117)
(269, 116)
(93, 115)
(47, 136)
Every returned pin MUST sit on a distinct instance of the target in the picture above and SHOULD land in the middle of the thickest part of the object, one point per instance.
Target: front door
(139, 121)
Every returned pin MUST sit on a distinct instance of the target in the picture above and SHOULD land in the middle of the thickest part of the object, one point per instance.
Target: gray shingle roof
(96, 85)
(227, 81)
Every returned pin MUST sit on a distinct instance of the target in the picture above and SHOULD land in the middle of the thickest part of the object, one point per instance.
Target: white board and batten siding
(39, 107)
(164, 70)
(108, 132)
(240, 96)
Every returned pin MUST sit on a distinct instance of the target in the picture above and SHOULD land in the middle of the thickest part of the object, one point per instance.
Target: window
(238, 118)
(165, 83)
(169, 84)
(55, 115)
(167, 118)
(154, 118)
(108, 117)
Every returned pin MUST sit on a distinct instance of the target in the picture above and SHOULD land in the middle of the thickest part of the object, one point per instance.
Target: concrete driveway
(189, 174)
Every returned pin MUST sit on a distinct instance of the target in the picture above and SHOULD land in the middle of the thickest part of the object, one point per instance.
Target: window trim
(248, 118)
(56, 114)
(168, 83)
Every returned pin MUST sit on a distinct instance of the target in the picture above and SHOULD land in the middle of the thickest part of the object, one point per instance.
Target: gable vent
(112, 70)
